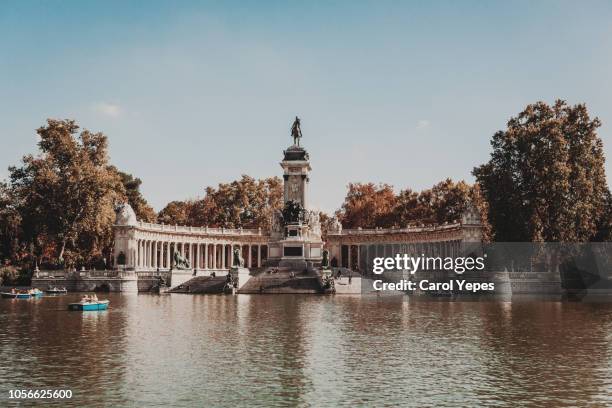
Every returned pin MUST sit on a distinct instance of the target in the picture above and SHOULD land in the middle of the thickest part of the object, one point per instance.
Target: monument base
(241, 274)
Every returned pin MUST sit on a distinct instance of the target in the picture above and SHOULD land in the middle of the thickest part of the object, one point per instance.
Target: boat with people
(56, 290)
(22, 294)
(89, 303)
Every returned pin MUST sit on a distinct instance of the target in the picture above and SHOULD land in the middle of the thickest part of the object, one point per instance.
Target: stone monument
(296, 230)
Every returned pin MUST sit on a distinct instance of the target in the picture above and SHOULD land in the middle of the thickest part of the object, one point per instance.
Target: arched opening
(105, 287)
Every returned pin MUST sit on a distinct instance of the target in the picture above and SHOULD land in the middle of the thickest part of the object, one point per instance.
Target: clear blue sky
(193, 93)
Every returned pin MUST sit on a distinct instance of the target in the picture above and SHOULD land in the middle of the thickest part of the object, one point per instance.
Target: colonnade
(359, 256)
(153, 254)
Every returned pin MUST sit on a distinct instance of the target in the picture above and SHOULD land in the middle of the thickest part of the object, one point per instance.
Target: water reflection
(282, 350)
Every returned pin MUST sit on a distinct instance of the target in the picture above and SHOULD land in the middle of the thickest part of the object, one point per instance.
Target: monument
(295, 239)
(145, 252)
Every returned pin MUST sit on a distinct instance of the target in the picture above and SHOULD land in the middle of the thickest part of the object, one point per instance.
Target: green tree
(545, 180)
(66, 195)
(10, 227)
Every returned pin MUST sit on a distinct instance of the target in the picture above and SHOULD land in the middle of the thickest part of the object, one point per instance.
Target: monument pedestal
(241, 274)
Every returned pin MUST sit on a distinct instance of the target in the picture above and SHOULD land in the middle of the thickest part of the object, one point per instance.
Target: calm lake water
(263, 350)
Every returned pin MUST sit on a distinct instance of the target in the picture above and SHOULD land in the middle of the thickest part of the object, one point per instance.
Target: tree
(177, 213)
(371, 206)
(545, 180)
(244, 203)
(144, 212)
(66, 195)
(368, 206)
(10, 226)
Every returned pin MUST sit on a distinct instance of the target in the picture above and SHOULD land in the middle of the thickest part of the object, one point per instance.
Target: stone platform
(281, 280)
(202, 284)
(88, 281)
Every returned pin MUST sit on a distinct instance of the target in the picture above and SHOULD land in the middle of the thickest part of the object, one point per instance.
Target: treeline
(368, 205)
(545, 181)
(244, 203)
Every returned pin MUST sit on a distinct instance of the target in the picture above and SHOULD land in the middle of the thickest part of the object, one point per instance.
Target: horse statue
(296, 131)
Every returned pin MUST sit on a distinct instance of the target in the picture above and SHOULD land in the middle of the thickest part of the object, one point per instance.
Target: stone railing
(202, 230)
(83, 274)
(384, 231)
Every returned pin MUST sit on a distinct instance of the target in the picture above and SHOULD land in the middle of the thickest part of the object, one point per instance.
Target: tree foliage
(370, 206)
(178, 213)
(244, 203)
(10, 227)
(545, 180)
(144, 212)
(65, 196)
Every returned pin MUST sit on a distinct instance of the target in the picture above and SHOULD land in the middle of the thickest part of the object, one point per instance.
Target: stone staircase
(280, 280)
(202, 284)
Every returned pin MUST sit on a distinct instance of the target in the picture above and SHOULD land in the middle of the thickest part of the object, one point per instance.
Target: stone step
(282, 283)
(202, 284)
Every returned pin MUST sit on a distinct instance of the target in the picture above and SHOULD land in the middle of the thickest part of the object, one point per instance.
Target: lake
(305, 350)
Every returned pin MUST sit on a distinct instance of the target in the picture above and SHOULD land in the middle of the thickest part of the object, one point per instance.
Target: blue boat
(22, 294)
(36, 293)
(89, 304)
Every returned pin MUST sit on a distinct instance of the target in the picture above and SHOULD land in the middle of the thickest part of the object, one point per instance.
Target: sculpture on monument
(325, 260)
(238, 261)
(296, 131)
(335, 225)
(293, 213)
(180, 262)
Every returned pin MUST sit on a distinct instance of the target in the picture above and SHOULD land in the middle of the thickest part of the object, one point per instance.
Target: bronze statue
(238, 261)
(296, 131)
(325, 261)
(180, 262)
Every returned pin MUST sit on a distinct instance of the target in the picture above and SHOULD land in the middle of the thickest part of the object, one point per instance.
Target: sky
(191, 94)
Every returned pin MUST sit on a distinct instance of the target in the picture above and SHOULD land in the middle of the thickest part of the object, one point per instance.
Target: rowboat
(36, 293)
(22, 294)
(89, 304)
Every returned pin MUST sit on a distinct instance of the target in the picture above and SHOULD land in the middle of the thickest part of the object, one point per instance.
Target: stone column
(155, 255)
(259, 256)
(205, 265)
(250, 257)
(348, 252)
(197, 255)
(214, 257)
(223, 256)
(168, 255)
